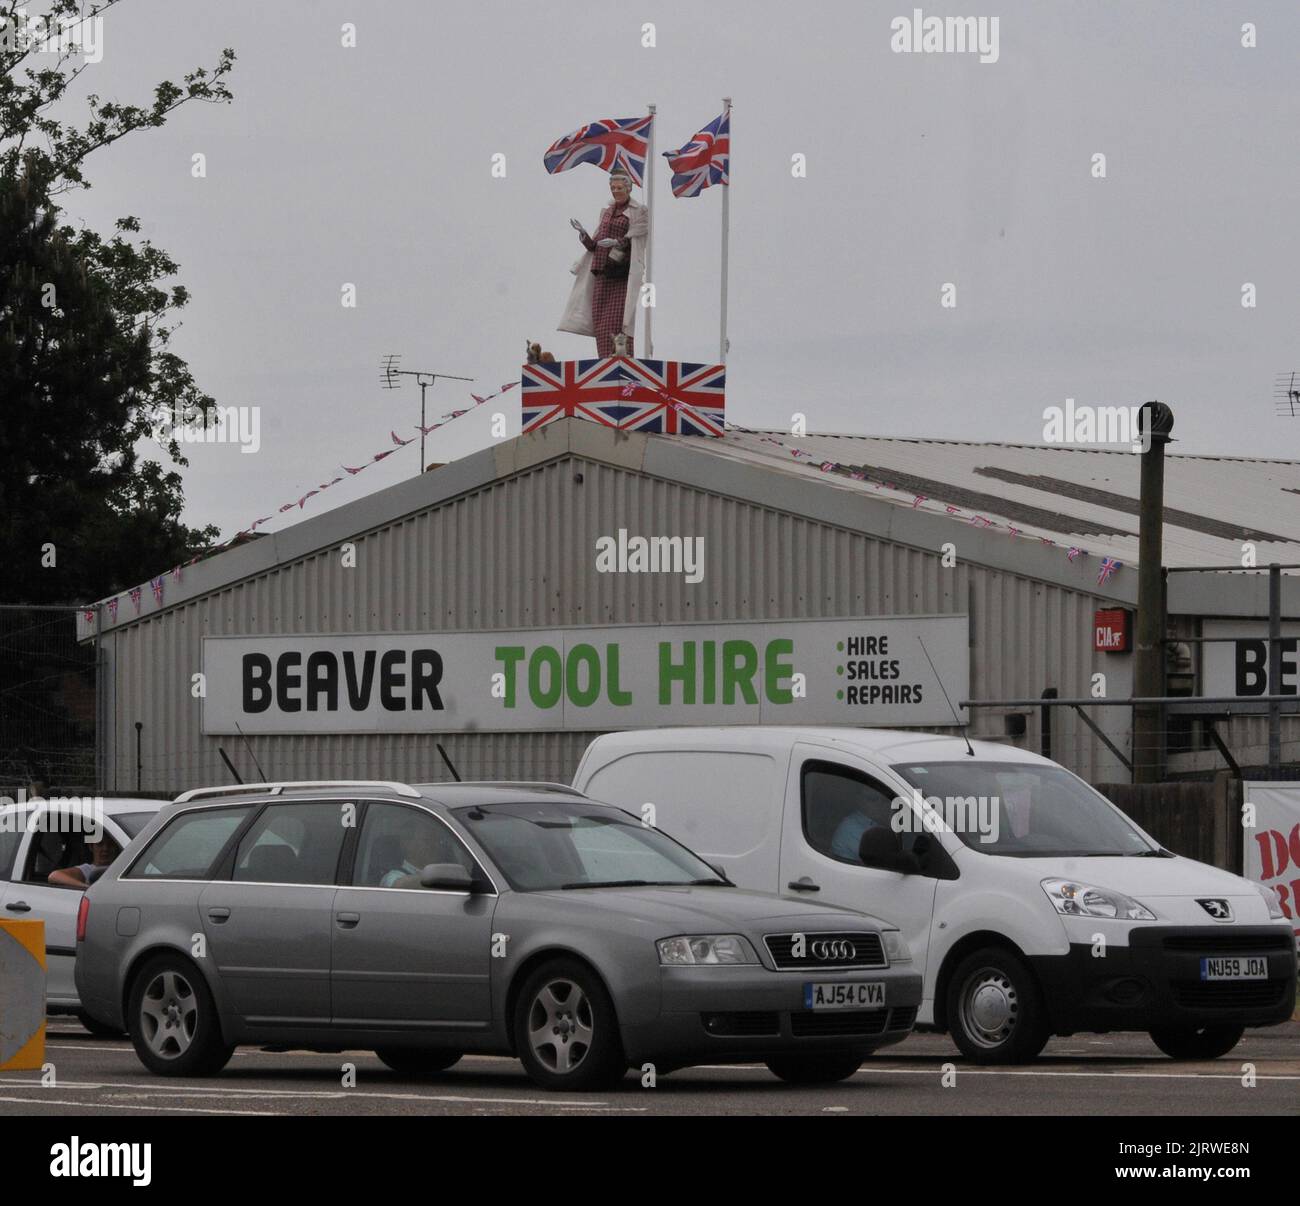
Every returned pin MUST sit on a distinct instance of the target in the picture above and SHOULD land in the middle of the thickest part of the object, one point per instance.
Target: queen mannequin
(609, 274)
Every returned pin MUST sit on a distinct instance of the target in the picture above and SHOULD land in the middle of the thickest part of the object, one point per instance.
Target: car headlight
(1084, 900)
(694, 950)
(895, 947)
(1273, 900)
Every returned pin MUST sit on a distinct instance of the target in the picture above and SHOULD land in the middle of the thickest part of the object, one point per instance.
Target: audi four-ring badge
(431, 922)
(830, 951)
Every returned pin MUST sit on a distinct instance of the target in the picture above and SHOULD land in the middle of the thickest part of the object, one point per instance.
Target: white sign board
(1240, 666)
(1272, 848)
(862, 672)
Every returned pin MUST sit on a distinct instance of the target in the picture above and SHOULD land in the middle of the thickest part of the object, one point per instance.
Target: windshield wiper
(1161, 853)
(648, 883)
(608, 883)
(720, 880)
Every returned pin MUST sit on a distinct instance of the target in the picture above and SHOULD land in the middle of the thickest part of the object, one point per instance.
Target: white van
(1031, 904)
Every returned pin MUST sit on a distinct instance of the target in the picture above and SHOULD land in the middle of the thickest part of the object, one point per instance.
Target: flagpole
(726, 231)
(649, 238)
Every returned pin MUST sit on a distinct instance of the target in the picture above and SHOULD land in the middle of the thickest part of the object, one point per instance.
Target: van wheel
(100, 1029)
(172, 1020)
(1207, 1042)
(415, 1061)
(566, 1032)
(995, 1010)
(814, 1069)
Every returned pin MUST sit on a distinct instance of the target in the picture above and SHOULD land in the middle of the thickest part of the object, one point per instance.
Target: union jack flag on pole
(609, 143)
(703, 161)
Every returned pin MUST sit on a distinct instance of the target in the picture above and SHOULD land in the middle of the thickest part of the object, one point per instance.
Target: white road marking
(202, 1091)
(108, 1105)
(964, 1070)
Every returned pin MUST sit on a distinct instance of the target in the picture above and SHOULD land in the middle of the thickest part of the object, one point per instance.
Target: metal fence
(48, 701)
(1196, 738)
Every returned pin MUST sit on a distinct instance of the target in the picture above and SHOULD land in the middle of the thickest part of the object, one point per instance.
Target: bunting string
(156, 584)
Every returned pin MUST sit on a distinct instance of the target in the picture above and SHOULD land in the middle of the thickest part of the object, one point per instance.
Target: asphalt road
(1083, 1075)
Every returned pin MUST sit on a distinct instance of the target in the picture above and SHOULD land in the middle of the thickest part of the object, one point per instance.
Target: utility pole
(1157, 421)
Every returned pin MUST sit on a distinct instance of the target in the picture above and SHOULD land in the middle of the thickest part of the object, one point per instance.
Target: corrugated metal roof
(1069, 496)
(1078, 497)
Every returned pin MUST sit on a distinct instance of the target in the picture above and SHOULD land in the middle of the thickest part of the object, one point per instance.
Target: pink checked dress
(608, 294)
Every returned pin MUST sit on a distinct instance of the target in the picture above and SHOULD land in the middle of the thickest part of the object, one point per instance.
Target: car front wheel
(995, 1010)
(172, 1020)
(566, 1031)
(1207, 1042)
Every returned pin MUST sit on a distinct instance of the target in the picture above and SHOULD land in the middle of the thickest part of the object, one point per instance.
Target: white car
(40, 836)
(1031, 904)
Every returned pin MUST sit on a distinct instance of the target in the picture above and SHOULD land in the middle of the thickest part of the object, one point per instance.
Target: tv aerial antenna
(1286, 394)
(391, 375)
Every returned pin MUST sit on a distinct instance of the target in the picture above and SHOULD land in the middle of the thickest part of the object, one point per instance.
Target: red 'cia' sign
(1112, 630)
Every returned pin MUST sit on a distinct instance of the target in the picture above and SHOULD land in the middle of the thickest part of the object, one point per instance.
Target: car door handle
(19, 906)
(219, 915)
(347, 921)
(803, 885)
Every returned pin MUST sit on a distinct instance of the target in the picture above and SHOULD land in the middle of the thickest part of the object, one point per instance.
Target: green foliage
(85, 327)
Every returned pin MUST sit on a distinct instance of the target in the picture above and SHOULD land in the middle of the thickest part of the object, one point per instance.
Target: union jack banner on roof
(666, 397)
(703, 161)
(609, 143)
(674, 397)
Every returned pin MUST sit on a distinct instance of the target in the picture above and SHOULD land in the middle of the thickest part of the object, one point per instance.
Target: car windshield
(133, 822)
(1024, 810)
(553, 845)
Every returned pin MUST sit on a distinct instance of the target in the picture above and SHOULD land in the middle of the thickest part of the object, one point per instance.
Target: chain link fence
(48, 701)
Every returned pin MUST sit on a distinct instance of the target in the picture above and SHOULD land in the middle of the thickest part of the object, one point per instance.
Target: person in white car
(102, 854)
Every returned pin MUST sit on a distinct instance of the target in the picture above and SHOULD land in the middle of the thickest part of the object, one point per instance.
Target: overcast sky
(372, 166)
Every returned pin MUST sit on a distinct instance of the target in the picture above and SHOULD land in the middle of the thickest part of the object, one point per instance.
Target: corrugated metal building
(795, 528)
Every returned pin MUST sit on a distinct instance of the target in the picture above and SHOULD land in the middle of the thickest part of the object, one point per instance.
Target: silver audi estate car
(504, 918)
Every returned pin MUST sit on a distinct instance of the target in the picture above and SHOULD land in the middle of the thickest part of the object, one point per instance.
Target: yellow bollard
(22, 995)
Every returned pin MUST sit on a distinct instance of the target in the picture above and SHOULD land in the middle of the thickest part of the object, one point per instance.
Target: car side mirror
(882, 849)
(450, 877)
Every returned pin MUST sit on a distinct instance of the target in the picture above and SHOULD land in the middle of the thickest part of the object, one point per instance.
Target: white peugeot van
(1032, 906)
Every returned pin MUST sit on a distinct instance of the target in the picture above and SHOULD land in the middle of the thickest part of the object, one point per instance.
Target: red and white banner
(1272, 847)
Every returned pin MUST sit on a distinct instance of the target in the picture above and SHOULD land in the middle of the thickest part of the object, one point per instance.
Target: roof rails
(522, 784)
(275, 789)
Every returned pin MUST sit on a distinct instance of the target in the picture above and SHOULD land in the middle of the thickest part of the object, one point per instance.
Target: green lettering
(545, 655)
(670, 673)
(508, 655)
(579, 655)
(739, 665)
(710, 669)
(775, 671)
(620, 699)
